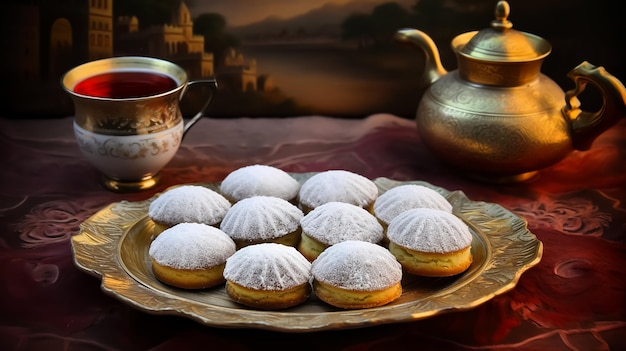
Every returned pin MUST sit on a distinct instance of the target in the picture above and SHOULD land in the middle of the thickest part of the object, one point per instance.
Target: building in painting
(74, 32)
(54, 35)
(238, 73)
(174, 42)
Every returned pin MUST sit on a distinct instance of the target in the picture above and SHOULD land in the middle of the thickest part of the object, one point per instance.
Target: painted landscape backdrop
(288, 57)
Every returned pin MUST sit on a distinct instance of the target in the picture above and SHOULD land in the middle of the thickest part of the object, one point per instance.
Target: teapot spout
(587, 126)
(433, 69)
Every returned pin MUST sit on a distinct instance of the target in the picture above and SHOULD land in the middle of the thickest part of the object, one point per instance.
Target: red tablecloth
(574, 299)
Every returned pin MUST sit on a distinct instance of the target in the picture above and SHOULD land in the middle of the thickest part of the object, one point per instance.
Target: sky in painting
(242, 12)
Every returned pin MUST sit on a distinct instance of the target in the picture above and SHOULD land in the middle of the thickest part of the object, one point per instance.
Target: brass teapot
(497, 117)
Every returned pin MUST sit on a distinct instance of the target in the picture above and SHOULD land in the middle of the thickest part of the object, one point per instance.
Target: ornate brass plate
(113, 245)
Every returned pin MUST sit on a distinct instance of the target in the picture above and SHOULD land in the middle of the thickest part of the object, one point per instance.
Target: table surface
(574, 299)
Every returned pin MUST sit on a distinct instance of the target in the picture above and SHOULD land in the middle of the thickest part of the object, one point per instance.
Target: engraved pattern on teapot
(486, 136)
(488, 72)
(465, 97)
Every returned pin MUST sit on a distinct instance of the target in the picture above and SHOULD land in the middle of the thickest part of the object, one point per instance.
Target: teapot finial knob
(502, 13)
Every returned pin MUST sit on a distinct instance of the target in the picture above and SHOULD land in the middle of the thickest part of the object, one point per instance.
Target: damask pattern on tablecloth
(578, 216)
(588, 213)
(54, 221)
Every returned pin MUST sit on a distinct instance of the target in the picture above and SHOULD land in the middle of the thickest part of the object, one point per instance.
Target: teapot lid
(501, 42)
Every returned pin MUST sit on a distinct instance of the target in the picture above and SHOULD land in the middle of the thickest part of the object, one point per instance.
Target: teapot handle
(212, 84)
(586, 126)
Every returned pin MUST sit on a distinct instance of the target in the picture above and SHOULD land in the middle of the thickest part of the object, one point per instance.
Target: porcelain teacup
(127, 118)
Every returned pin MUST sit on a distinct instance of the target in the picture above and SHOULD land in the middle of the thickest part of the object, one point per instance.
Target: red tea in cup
(125, 84)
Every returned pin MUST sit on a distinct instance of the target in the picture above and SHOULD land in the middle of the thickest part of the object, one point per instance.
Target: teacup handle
(212, 83)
